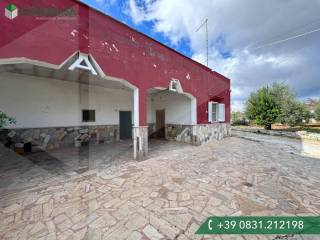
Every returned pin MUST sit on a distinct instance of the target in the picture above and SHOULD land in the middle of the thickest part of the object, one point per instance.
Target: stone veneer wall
(58, 137)
(179, 133)
(197, 134)
(203, 133)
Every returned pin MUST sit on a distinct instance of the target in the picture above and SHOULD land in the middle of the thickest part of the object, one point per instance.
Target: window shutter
(221, 112)
(210, 112)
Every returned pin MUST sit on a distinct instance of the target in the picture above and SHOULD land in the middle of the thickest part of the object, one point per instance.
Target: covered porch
(71, 105)
(171, 113)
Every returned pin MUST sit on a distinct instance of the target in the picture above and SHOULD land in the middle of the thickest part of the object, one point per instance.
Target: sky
(252, 42)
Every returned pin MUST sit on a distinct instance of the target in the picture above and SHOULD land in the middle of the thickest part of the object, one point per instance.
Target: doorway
(125, 119)
(160, 123)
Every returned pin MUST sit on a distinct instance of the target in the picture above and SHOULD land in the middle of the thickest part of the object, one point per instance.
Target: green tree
(263, 107)
(282, 94)
(294, 113)
(317, 112)
(276, 103)
(5, 120)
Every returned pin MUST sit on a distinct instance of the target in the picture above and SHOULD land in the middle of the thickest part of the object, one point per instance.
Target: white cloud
(104, 4)
(136, 13)
(245, 29)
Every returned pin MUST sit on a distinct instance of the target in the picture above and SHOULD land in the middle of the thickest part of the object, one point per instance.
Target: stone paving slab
(168, 195)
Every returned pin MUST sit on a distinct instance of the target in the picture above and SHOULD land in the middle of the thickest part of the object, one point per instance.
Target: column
(140, 128)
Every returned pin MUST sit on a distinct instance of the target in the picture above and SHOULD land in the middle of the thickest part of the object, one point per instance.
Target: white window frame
(219, 112)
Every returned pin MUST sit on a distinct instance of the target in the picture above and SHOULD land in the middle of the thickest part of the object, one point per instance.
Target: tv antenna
(205, 23)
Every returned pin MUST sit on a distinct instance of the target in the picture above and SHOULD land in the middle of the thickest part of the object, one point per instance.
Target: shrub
(5, 120)
(240, 122)
(317, 112)
(238, 118)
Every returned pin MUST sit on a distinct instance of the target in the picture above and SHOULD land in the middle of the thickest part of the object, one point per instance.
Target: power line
(293, 31)
(287, 39)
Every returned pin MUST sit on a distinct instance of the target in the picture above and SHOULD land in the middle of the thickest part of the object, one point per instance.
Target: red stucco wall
(133, 56)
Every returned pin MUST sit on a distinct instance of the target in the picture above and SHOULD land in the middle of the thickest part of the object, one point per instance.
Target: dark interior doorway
(125, 124)
(160, 123)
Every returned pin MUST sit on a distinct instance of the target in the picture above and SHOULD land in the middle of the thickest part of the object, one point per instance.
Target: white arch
(24, 60)
(193, 100)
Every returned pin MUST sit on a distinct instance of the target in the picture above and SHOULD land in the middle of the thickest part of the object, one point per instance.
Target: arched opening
(169, 112)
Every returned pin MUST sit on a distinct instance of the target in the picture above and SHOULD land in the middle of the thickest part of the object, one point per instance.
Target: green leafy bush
(238, 118)
(317, 112)
(5, 120)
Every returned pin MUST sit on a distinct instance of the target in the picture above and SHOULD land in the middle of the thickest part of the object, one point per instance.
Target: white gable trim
(175, 86)
(5, 61)
(88, 66)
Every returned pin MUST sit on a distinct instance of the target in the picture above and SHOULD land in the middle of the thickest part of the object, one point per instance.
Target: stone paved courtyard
(164, 197)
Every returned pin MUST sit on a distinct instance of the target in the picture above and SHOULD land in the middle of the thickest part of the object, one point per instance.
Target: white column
(193, 111)
(136, 107)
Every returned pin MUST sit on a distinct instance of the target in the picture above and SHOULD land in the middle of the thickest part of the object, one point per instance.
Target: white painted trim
(178, 88)
(136, 107)
(5, 61)
(210, 112)
(194, 111)
(221, 112)
(83, 58)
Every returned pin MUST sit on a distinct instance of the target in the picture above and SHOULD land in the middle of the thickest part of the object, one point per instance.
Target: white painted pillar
(140, 133)
(193, 111)
(136, 107)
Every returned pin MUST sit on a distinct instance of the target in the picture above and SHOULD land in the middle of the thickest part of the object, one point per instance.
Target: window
(216, 112)
(88, 115)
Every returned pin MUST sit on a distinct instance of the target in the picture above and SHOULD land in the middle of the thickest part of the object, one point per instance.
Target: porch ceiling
(79, 76)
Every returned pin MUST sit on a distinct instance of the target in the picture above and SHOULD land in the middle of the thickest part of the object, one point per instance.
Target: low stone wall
(180, 133)
(204, 133)
(296, 135)
(197, 134)
(54, 138)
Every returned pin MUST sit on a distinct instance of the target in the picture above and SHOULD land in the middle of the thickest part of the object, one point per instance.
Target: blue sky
(117, 10)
